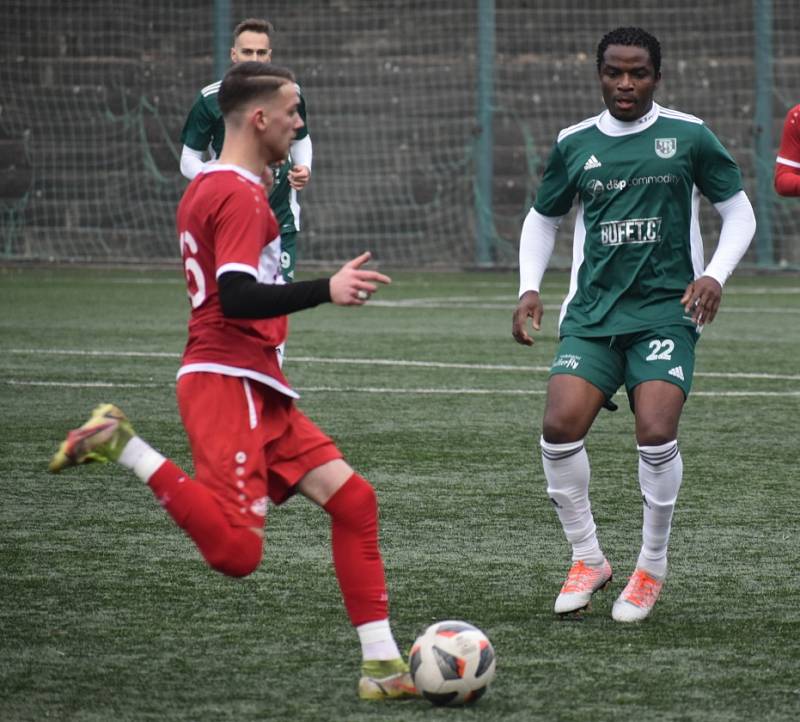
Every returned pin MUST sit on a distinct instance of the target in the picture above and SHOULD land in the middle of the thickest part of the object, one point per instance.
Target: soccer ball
(452, 663)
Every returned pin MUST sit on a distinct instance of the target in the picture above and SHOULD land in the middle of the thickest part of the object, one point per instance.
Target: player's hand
(299, 176)
(701, 299)
(352, 286)
(529, 306)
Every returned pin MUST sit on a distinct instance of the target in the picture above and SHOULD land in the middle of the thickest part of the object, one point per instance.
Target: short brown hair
(248, 80)
(253, 25)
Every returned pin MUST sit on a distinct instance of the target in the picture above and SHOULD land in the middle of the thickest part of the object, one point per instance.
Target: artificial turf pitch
(108, 612)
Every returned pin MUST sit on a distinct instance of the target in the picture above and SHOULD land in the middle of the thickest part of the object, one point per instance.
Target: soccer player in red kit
(249, 441)
(787, 164)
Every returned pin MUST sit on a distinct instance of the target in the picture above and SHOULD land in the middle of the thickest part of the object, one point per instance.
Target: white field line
(380, 362)
(178, 280)
(506, 302)
(82, 384)
(380, 390)
(439, 303)
(754, 291)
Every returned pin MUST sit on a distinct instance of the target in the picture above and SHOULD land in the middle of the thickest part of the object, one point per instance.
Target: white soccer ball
(452, 663)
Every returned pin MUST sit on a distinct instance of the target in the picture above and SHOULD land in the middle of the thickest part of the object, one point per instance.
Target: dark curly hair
(631, 36)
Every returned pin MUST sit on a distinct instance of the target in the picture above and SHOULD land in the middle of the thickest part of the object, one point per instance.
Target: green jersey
(205, 131)
(637, 242)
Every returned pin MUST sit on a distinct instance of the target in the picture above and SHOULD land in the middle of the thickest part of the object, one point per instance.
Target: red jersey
(789, 152)
(225, 224)
(787, 164)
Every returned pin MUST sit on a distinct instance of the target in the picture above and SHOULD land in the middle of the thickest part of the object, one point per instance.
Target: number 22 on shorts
(660, 350)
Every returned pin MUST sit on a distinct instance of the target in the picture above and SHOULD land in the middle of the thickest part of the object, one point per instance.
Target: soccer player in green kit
(639, 295)
(204, 132)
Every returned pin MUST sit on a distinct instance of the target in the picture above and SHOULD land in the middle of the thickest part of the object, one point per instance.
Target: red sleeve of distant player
(790, 139)
(787, 167)
(243, 226)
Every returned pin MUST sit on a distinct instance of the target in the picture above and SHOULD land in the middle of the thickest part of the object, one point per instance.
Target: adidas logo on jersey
(592, 163)
(677, 372)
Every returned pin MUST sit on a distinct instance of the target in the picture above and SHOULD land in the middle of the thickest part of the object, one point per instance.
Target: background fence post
(222, 31)
(764, 151)
(484, 166)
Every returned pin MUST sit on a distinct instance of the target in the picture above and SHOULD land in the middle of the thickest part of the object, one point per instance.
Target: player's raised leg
(108, 436)
(351, 502)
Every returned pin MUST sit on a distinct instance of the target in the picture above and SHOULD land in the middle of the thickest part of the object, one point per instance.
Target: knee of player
(238, 555)
(364, 494)
(561, 430)
(655, 434)
(355, 504)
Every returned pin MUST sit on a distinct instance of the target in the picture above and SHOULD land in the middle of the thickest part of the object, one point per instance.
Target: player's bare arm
(701, 299)
(352, 285)
(529, 306)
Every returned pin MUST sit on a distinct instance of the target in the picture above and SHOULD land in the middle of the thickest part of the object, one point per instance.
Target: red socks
(356, 557)
(235, 551)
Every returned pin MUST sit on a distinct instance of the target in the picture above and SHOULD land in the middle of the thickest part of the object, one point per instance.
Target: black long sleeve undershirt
(241, 296)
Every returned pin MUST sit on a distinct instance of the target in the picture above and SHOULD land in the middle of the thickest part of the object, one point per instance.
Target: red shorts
(249, 442)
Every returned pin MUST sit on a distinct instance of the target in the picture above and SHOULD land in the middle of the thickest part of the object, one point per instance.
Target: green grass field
(107, 611)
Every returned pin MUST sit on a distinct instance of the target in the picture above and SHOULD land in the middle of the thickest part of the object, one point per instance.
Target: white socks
(566, 468)
(141, 458)
(377, 641)
(660, 475)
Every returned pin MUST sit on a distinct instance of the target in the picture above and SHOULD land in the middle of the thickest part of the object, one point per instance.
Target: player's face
(628, 80)
(282, 121)
(251, 46)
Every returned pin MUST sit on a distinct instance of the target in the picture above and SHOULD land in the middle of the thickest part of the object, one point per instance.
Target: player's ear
(259, 119)
(233, 55)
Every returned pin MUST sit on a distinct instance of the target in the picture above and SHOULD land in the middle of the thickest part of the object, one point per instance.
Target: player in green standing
(204, 133)
(638, 297)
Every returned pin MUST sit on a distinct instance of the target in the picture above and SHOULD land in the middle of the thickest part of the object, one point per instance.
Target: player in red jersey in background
(787, 164)
(249, 441)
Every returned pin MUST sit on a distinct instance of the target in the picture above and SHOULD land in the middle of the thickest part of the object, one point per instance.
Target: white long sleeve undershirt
(738, 229)
(191, 162)
(538, 238)
(536, 243)
(302, 152)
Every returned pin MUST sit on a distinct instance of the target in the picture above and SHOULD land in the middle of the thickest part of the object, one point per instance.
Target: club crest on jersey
(595, 188)
(666, 147)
